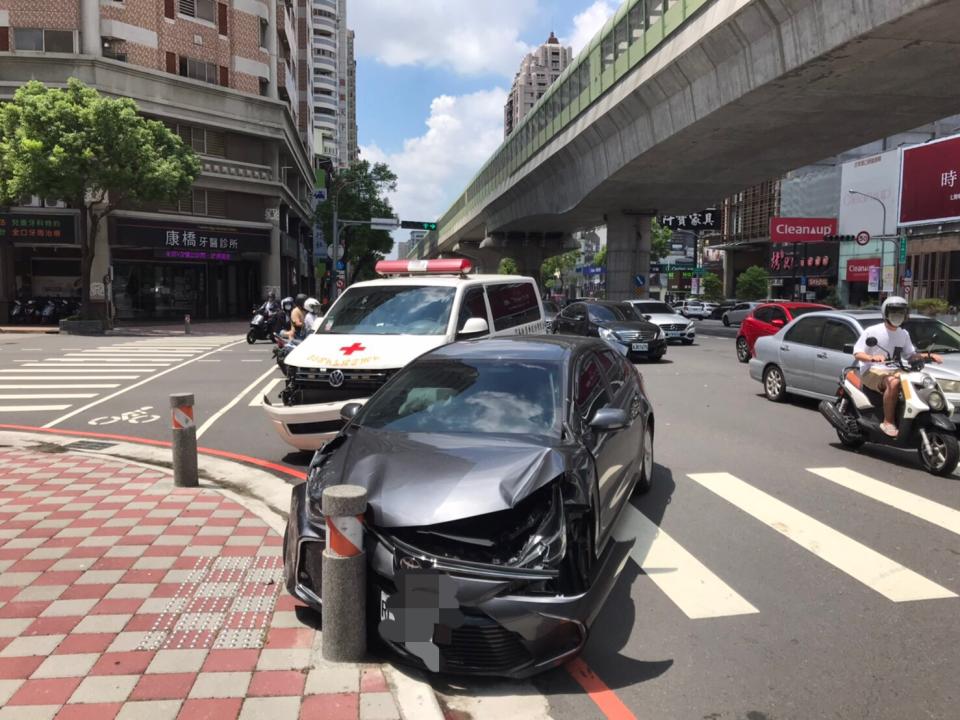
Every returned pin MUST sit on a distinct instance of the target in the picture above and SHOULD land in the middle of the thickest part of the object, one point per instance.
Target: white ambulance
(375, 328)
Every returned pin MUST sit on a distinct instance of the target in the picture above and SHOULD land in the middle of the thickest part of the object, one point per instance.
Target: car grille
(316, 428)
(484, 648)
(678, 326)
(352, 379)
(631, 335)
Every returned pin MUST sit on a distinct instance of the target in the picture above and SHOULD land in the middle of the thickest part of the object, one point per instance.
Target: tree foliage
(360, 194)
(660, 236)
(713, 287)
(508, 266)
(600, 259)
(564, 263)
(93, 152)
(752, 283)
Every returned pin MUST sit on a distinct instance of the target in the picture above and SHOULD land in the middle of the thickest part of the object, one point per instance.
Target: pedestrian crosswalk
(78, 379)
(702, 592)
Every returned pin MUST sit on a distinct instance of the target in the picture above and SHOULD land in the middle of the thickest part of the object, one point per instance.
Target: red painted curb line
(162, 443)
(597, 690)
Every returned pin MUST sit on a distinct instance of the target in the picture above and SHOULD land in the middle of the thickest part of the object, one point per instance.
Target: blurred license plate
(639, 347)
(674, 333)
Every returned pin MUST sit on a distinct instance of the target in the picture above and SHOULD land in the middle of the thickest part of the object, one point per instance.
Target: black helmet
(895, 310)
(301, 299)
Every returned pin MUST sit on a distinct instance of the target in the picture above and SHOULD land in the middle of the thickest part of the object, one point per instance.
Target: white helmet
(312, 305)
(895, 310)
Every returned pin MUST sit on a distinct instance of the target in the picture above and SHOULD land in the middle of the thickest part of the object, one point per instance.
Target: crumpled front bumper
(490, 628)
(306, 427)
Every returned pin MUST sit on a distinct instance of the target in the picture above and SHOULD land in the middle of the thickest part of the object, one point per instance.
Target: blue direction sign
(341, 265)
(639, 280)
(908, 274)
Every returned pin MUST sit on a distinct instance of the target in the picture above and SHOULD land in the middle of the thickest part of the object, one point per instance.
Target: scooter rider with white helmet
(890, 337)
(312, 306)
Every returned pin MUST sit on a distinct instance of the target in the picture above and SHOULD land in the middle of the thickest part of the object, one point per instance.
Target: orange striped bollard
(184, 440)
(344, 584)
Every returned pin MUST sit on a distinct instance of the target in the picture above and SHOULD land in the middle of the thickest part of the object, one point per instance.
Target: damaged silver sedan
(496, 471)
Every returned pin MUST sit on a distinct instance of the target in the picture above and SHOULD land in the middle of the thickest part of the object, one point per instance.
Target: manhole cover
(89, 445)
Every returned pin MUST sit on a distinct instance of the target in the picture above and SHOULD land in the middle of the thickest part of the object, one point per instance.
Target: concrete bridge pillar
(485, 260)
(729, 276)
(628, 254)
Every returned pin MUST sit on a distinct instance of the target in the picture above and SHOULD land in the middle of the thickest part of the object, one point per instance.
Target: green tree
(508, 266)
(659, 241)
(93, 152)
(360, 193)
(713, 287)
(600, 259)
(752, 283)
(564, 263)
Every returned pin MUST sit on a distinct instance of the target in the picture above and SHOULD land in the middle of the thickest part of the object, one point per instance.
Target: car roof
(427, 279)
(549, 348)
(790, 305)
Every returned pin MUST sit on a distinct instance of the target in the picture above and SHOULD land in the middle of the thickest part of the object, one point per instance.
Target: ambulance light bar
(456, 266)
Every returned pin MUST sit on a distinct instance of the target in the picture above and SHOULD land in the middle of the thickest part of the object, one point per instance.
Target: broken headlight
(547, 545)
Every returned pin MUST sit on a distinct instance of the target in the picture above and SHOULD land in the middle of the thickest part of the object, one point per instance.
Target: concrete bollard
(184, 440)
(344, 586)
(186, 324)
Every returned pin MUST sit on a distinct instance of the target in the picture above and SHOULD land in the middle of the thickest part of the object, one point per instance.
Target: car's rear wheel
(726, 321)
(645, 480)
(774, 386)
(743, 350)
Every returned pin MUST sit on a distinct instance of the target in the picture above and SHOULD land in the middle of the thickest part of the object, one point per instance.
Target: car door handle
(822, 356)
(785, 348)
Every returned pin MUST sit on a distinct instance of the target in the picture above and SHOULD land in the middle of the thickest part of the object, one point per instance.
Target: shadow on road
(298, 458)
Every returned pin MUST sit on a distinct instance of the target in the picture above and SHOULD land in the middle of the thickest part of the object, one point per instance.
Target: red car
(767, 319)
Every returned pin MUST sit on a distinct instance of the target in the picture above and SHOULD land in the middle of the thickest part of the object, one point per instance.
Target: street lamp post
(336, 240)
(883, 237)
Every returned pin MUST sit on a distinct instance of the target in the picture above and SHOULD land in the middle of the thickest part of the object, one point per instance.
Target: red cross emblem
(351, 349)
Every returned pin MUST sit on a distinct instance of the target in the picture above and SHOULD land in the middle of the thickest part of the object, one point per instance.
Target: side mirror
(472, 327)
(609, 418)
(646, 317)
(349, 411)
(872, 342)
(848, 349)
(777, 322)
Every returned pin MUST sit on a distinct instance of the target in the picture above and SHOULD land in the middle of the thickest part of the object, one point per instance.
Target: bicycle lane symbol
(134, 417)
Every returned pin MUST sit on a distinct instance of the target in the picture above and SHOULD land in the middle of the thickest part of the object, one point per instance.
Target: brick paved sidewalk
(124, 597)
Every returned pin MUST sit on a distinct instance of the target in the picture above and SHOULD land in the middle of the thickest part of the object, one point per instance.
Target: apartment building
(334, 84)
(537, 71)
(226, 76)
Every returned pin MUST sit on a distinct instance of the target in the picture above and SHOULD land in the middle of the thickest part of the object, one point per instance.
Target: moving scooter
(263, 326)
(923, 415)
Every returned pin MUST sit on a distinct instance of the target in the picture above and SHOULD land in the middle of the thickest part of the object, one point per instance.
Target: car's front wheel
(774, 386)
(726, 321)
(743, 350)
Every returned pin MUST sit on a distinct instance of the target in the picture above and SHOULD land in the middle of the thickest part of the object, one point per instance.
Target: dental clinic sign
(801, 230)
(930, 182)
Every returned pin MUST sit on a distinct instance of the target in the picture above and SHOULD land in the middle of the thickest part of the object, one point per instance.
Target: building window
(264, 29)
(199, 201)
(200, 9)
(37, 40)
(264, 86)
(199, 70)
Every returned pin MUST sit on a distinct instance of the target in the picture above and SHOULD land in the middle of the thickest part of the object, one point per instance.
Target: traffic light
(839, 238)
(417, 225)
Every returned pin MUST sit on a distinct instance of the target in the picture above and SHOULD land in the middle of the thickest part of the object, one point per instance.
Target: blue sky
(432, 76)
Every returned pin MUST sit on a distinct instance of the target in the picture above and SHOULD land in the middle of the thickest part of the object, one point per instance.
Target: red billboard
(799, 230)
(858, 269)
(930, 182)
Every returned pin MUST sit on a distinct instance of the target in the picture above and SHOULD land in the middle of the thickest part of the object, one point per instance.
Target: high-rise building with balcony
(537, 71)
(333, 88)
(227, 77)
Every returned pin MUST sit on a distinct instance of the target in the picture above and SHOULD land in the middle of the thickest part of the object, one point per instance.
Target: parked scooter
(923, 415)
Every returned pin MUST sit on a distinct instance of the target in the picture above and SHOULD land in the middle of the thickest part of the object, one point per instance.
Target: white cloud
(467, 36)
(432, 169)
(588, 23)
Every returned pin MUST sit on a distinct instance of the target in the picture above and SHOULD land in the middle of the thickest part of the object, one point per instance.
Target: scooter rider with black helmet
(890, 337)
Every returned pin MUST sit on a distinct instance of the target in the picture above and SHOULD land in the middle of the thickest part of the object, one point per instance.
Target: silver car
(807, 356)
(736, 314)
(672, 324)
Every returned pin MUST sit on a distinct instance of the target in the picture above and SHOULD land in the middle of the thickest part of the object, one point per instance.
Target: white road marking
(908, 502)
(258, 398)
(57, 387)
(31, 349)
(692, 587)
(105, 361)
(249, 360)
(209, 361)
(86, 407)
(71, 376)
(45, 396)
(876, 571)
(243, 393)
(80, 371)
(31, 408)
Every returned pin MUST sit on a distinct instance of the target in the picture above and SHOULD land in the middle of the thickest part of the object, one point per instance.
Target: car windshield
(933, 336)
(391, 310)
(797, 312)
(605, 313)
(512, 397)
(653, 307)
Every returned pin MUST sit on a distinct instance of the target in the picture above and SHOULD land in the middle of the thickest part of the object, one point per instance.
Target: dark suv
(618, 324)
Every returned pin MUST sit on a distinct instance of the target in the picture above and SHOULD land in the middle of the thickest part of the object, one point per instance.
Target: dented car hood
(417, 479)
